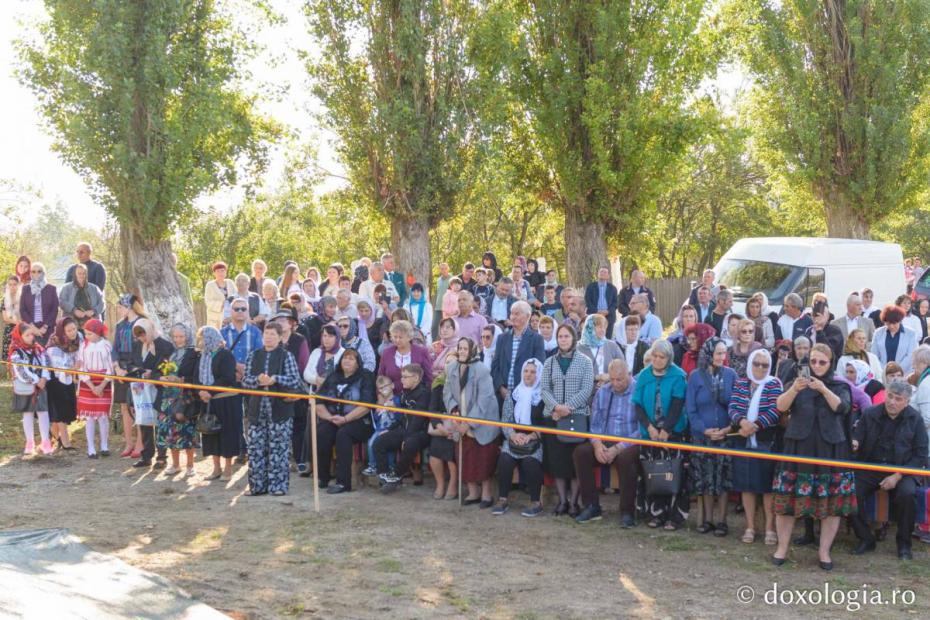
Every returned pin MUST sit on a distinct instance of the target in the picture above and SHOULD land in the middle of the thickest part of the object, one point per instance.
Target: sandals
(172, 470)
(721, 530)
(214, 476)
(704, 528)
(669, 526)
(749, 536)
(654, 523)
(771, 538)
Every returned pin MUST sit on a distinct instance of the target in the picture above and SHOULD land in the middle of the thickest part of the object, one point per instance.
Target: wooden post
(462, 411)
(313, 451)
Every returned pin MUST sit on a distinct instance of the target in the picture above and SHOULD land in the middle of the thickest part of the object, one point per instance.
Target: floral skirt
(815, 490)
(169, 433)
(711, 474)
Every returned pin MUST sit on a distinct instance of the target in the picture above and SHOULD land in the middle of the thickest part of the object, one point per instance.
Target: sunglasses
(240, 309)
(819, 363)
(760, 365)
(747, 331)
(343, 326)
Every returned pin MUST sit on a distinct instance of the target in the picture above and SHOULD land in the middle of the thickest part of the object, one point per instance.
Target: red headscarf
(96, 326)
(23, 277)
(60, 339)
(18, 344)
(701, 331)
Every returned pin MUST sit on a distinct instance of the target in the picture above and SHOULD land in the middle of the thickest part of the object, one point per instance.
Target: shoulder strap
(238, 338)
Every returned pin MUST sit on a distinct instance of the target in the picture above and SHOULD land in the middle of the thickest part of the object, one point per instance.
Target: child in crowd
(94, 394)
(29, 396)
(408, 434)
(450, 299)
(550, 306)
(381, 419)
(443, 437)
(483, 289)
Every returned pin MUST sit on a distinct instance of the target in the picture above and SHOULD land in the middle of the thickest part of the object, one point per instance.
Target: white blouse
(95, 357)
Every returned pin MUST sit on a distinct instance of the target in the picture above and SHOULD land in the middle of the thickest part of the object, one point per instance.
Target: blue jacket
(703, 410)
(531, 345)
(590, 298)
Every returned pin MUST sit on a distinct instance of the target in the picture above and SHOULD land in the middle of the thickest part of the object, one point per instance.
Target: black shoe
(104, 453)
(627, 522)
(805, 539)
(560, 509)
(336, 489)
(485, 503)
(141, 463)
(826, 565)
(905, 554)
(160, 464)
(721, 530)
(591, 513)
(251, 493)
(471, 502)
(323, 484)
(704, 528)
(574, 510)
(864, 546)
(92, 456)
(778, 561)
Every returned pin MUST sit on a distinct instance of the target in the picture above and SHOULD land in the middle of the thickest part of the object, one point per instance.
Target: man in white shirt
(704, 304)
(344, 305)
(651, 329)
(376, 277)
(793, 322)
(854, 319)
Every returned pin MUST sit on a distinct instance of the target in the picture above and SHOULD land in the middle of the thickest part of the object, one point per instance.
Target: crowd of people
(516, 347)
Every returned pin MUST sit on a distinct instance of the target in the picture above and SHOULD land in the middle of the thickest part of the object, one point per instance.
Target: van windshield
(745, 277)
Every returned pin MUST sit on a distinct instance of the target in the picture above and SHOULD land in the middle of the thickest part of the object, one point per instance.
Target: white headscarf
(489, 351)
(752, 413)
(526, 397)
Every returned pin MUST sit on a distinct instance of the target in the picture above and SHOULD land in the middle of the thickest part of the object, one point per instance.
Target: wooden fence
(670, 293)
(200, 315)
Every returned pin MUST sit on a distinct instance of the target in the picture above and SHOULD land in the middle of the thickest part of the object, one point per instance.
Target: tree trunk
(843, 220)
(150, 273)
(410, 246)
(585, 247)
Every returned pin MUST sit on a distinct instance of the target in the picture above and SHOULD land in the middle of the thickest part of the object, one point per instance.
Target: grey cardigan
(479, 397)
(610, 351)
(68, 292)
(573, 388)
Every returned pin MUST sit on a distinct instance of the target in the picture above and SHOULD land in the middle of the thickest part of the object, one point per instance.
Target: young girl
(382, 419)
(29, 396)
(62, 399)
(442, 441)
(450, 299)
(95, 394)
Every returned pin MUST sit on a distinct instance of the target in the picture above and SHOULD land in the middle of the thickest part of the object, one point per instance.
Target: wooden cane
(313, 449)
(461, 458)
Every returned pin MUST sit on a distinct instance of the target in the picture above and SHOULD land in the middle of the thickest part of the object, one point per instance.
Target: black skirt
(226, 443)
(443, 449)
(558, 457)
(62, 401)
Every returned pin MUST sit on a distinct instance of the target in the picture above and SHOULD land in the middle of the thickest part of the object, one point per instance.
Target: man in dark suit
(508, 358)
(636, 286)
(395, 277)
(891, 433)
(601, 297)
(497, 309)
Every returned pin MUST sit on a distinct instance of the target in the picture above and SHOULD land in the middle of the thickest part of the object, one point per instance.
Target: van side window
(812, 283)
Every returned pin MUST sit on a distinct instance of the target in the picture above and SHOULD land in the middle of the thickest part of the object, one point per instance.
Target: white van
(781, 265)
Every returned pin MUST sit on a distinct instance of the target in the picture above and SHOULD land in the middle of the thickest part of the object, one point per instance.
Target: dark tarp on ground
(50, 574)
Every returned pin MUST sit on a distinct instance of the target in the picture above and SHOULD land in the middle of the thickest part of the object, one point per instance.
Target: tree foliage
(837, 108)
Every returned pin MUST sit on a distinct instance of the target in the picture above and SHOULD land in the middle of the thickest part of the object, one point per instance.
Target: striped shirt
(742, 395)
(513, 359)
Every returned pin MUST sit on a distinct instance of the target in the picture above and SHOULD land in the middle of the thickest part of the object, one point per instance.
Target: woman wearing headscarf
(598, 348)
(567, 384)
(522, 449)
(489, 262)
(860, 376)
(856, 349)
(533, 276)
(149, 353)
(443, 438)
(348, 331)
(817, 425)
(324, 359)
(707, 400)
(921, 309)
(81, 299)
(217, 366)
(38, 303)
(62, 352)
(753, 412)
(421, 311)
(176, 415)
(340, 425)
(29, 395)
(659, 398)
(489, 335)
(469, 392)
(695, 337)
(744, 344)
(687, 317)
(10, 311)
(94, 393)
(447, 341)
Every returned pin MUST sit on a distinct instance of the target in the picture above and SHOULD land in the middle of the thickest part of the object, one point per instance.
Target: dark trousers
(531, 474)
(397, 439)
(867, 482)
(299, 443)
(611, 321)
(343, 438)
(627, 465)
(148, 442)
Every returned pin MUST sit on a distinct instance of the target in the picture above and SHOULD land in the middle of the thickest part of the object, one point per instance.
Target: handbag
(23, 388)
(662, 476)
(577, 422)
(143, 401)
(208, 423)
(526, 449)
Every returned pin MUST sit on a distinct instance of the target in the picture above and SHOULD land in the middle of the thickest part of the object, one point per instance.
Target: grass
(395, 591)
(11, 434)
(389, 565)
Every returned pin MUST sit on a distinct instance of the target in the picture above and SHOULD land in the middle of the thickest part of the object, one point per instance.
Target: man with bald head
(514, 347)
(637, 286)
(96, 272)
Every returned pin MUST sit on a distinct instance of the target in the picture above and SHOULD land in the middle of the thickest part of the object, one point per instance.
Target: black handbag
(526, 449)
(208, 423)
(662, 476)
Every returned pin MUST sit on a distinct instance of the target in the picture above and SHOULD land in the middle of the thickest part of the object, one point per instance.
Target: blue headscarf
(589, 336)
(212, 342)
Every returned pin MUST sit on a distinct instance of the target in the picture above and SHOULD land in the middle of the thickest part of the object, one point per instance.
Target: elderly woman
(707, 400)
(81, 299)
(659, 399)
(598, 348)
(753, 412)
(860, 375)
(567, 385)
(176, 415)
(217, 366)
(522, 449)
(757, 309)
(325, 359)
(744, 344)
(442, 438)
(38, 304)
(348, 333)
(340, 425)
(893, 342)
(403, 351)
(856, 349)
(149, 353)
(921, 363)
(818, 407)
(695, 337)
(271, 299)
(687, 317)
(788, 371)
(469, 392)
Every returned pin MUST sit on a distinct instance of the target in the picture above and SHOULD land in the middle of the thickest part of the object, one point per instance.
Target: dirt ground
(408, 556)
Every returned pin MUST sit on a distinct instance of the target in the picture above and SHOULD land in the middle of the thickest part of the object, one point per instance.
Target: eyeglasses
(240, 309)
(36, 271)
(760, 365)
(819, 363)
(343, 326)
(747, 331)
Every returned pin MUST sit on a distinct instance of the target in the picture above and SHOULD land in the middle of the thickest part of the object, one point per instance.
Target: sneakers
(303, 470)
(389, 478)
(172, 470)
(627, 522)
(370, 471)
(46, 447)
(30, 448)
(532, 511)
(591, 513)
(336, 489)
(189, 472)
(389, 487)
(500, 509)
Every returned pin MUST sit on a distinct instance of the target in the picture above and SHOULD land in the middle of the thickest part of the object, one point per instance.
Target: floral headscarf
(212, 342)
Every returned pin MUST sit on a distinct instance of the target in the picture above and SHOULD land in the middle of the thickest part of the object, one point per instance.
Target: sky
(27, 157)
